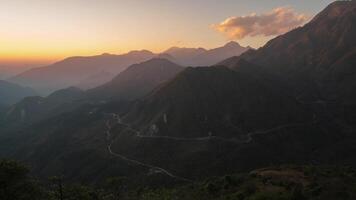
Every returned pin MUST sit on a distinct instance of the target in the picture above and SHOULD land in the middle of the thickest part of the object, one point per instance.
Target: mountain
(5, 73)
(95, 80)
(36, 108)
(185, 55)
(319, 55)
(216, 55)
(9, 71)
(167, 57)
(137, 80)
(203, 57)
(216, 100)
(268, 107)
(205, 122)
(92, 71)
(72, 71)
(11, 93)
(315, 61)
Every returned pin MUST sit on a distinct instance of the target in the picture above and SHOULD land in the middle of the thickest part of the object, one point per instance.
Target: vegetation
(15, 183)
(277, 183)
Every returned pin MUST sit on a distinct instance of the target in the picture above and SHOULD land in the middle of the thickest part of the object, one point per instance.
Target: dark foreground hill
(272, 183)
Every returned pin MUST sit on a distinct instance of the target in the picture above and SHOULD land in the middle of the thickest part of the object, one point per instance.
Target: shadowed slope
(137, 80)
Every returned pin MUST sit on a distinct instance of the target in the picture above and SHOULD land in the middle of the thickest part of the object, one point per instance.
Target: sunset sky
(42, 31)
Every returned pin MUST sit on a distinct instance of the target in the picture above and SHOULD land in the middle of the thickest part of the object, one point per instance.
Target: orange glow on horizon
(39, 31)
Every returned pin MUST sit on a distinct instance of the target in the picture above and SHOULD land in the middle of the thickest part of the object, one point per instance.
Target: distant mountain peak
(140, 52)
(106, 54)
(232, 44)
(205, 57)
(175, 48)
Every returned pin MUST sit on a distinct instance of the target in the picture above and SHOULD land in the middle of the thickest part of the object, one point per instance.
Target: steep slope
(319, 54)
(203, 57)
(215, 100)
(73, 70)
(11, 93)
(316, 61)
(137, 80)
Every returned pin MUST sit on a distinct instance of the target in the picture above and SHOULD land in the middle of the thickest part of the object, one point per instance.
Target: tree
(58, 184)
(116, 185)
(15, 183)
(297, 193)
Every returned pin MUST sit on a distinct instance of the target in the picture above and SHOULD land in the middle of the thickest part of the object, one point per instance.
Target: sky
(34, 32)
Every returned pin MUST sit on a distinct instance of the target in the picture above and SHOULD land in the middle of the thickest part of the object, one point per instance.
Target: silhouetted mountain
(11, 93)
(35, 108)
(79, 71)
(216, 55)
(203, 57)
(316, 61)
(271, 106)
(215, 100)
(167, 57)
(72, 71)
(137, 80)
(185, 55)
(319, 55)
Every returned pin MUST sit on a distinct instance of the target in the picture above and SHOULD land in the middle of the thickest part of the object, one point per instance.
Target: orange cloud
(276, 22)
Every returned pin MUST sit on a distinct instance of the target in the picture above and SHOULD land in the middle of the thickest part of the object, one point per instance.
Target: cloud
(278, 21)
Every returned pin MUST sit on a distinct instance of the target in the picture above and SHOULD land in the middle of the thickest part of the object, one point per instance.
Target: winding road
(152, 168)
(248, 135)
(251, 134)
(155, 169)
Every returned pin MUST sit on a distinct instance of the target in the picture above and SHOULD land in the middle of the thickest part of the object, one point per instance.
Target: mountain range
(289, 102)
(134, 82)
(204, 57)
(75, 70)
(93, 71)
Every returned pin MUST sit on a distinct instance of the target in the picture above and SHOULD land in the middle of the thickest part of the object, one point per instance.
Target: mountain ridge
(70, 71)
(11, 93)
(137, 80)
(206, 57)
